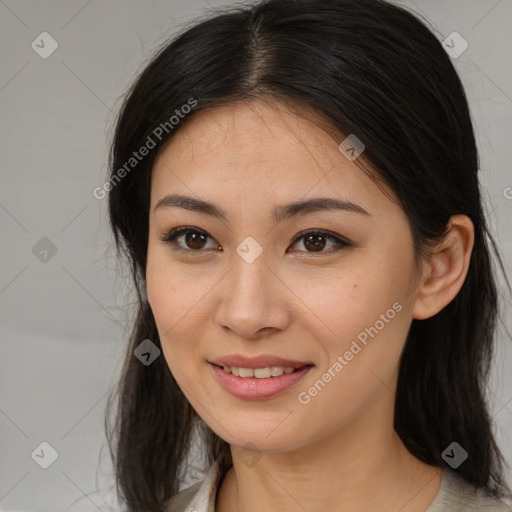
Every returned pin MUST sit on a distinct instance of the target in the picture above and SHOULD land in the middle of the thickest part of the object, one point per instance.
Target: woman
(295, 185)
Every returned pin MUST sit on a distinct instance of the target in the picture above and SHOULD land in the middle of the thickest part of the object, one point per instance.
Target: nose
(253, 301)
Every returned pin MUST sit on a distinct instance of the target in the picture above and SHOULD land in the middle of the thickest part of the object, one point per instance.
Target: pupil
(192, 239)
(316, 245)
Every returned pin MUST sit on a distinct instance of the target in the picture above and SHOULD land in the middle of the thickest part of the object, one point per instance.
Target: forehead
(251, 131)
(260, 149)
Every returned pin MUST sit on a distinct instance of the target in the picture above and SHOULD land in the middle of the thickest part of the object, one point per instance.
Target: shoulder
(457, 495)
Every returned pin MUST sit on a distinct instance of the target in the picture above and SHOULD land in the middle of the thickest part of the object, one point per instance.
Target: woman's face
(244, 281)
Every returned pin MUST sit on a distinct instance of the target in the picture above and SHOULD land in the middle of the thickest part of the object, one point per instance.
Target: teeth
(245, 372)
(259, 373)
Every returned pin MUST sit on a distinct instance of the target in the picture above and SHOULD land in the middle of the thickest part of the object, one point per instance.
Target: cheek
(175, 292)
(346, 302)
(367, 315)
(370, 327)
(180, 299)
(172, 310)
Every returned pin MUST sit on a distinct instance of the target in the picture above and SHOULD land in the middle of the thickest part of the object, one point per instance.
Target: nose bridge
(250, 302)
(249, 279)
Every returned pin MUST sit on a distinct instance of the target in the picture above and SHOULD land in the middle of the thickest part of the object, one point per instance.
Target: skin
(339, 451)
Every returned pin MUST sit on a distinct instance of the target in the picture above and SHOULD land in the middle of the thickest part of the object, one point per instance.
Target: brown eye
(316, 241)
(195, 240)
(192, 239)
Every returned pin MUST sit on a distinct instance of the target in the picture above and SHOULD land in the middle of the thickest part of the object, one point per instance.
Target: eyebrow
(279, 213)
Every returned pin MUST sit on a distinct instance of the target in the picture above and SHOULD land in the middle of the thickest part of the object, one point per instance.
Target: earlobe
(445, 271)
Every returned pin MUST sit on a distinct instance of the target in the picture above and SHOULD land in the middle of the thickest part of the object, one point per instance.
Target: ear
(446, 268)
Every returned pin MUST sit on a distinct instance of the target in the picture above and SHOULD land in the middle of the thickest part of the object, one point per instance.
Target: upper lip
(257, 362)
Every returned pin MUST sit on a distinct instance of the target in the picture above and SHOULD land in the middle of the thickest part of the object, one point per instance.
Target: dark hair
(371, 69)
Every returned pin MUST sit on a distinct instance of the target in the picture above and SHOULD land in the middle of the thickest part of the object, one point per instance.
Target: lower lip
(253, 388)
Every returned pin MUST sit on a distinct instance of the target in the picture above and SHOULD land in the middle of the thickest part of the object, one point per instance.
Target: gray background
(62, 321)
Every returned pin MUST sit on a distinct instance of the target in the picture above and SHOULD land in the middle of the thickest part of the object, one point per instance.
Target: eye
(194, 240)
(316, 240)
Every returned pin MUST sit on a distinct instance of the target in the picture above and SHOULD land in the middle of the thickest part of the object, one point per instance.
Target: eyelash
(175, 233)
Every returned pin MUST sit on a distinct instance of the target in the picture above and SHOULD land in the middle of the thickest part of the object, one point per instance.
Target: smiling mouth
(258, 383)
(260, 373)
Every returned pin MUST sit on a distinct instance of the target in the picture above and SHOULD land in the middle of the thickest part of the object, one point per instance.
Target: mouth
(258, 383)
(265, 372)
